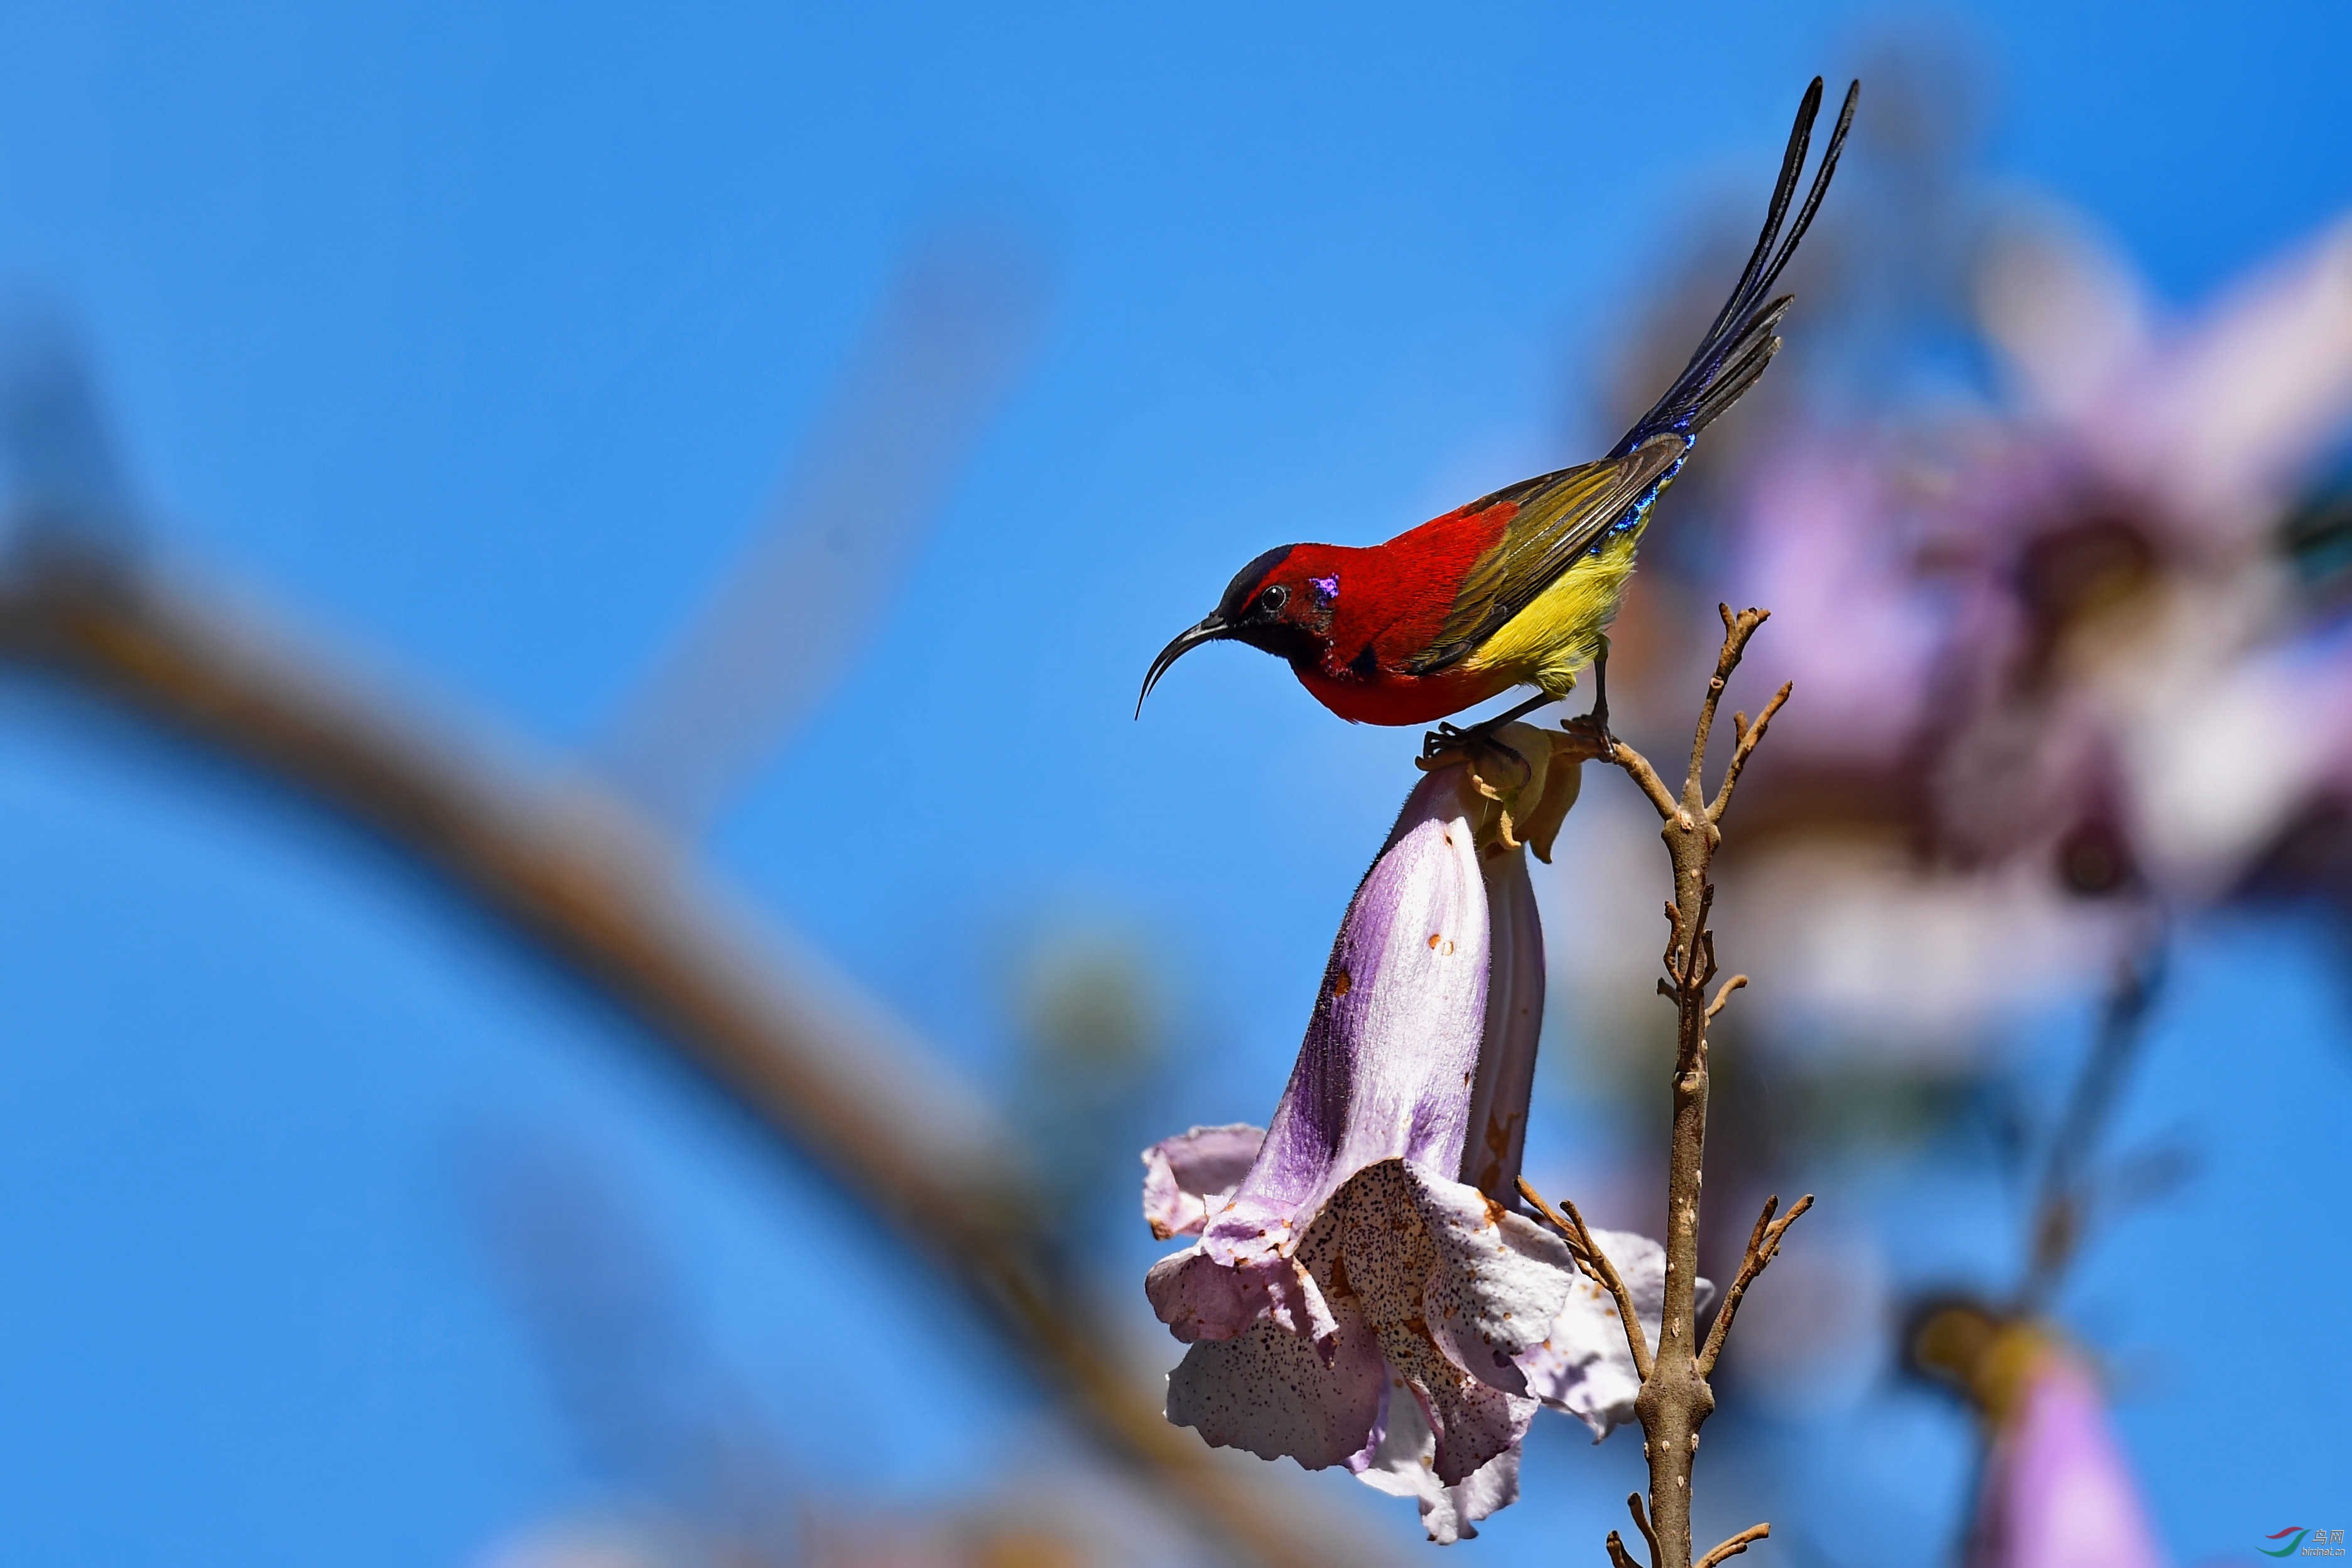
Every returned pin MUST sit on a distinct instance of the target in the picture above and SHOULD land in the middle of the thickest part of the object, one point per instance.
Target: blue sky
(481, 334)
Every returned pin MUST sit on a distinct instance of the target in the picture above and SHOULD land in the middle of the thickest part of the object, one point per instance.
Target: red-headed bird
(1518, 587)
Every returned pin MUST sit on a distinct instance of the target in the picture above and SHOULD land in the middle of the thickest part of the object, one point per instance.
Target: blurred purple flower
(2211, 423)
(2057, 1491)
(2027, 594)
(1857, 626)
(2050, 654)
(1362, 1292)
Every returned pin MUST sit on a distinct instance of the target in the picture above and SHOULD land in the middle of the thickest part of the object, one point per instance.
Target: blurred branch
(2061, 1207)
(788, 617)
(657, 1415)
(578, 876)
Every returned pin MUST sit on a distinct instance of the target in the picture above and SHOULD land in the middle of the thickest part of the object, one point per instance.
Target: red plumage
(1393, 600)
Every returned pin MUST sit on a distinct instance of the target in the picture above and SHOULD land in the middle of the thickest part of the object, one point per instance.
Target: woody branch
(1675, 1398)
(578, 877)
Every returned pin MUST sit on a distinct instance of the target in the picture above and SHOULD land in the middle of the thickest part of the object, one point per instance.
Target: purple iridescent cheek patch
(1329, 587)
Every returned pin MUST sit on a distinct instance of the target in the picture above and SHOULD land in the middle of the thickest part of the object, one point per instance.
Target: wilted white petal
(1270, 1391)
(1189, 1177)
(1402, 1461)
(1641, 1263)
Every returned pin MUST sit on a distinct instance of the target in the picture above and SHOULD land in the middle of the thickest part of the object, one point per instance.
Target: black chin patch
(1281, 639)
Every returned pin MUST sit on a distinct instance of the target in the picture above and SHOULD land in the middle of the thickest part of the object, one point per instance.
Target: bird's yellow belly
(1557, 635)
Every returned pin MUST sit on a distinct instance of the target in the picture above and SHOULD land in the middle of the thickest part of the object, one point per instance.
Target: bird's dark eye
(1271, 600)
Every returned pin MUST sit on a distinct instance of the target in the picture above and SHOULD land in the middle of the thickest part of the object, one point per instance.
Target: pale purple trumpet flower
(2057, 1491)
(1363, 1291)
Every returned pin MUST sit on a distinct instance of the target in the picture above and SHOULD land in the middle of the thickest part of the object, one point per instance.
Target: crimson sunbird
(1518, 588)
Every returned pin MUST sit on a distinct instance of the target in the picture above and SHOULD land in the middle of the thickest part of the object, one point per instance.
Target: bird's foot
(1587, 736)
(1447, 740)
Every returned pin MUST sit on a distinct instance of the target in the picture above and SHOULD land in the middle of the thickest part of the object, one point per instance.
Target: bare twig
(1737, 630)
(1745, 747)
(1675, 1398)
(1736, 982)
(1618, 1556)
(582, 879)
(1596, 1263)
(1736, 1545)
(1763, 1246)
(1642, 1522)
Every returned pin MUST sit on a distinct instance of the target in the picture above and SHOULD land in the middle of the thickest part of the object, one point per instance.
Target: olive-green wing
(1560, 516)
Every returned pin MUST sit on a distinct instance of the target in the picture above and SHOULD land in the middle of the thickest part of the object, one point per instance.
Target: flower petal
(1515, 1010)
(1402, 1462)
(1473, 1422)
(1189, 1177)
(2065, 312)
(1270, 1392)
(1199, 1299)
(1499, 1282)
(1393, 1049)
(1584, 1366)
(1456, 1287)
(1202, 1297)
(1641, 1263)
(2253, 395)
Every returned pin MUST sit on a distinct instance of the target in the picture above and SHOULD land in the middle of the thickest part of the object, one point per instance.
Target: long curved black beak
(1192, 637)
